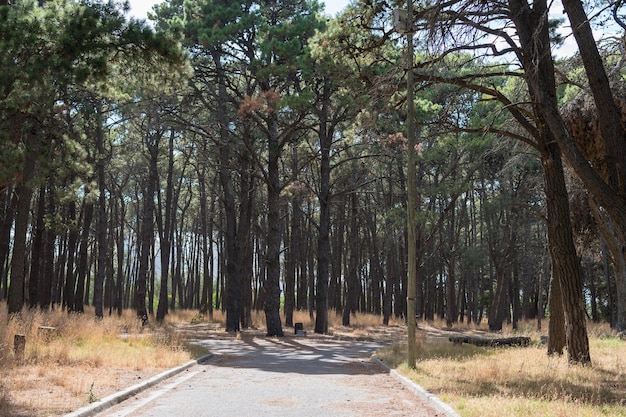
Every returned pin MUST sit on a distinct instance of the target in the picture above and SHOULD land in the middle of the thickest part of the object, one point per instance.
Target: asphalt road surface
(279, 377)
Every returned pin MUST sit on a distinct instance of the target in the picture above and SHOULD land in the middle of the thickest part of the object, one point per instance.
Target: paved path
(284, 377)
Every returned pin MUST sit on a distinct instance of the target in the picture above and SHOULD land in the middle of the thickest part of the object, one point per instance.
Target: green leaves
(57, 60)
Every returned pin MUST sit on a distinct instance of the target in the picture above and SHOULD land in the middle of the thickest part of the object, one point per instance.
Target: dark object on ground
(19, 345)
(494, 342)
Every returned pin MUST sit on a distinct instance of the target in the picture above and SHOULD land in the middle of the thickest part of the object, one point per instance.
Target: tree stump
(521, 341)
(19, 345)
(46, 333)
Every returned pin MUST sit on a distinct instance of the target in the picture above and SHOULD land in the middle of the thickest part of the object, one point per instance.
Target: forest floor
(59, 375)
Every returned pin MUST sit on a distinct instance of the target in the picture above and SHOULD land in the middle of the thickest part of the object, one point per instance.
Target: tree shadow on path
(295, 355)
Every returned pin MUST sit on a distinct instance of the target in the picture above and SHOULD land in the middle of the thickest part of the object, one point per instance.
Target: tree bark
(46, 283)
(232, 280)
(36, 262)
(206, 228)
(82, 268)
(146, 234)
(165, 232)
(352, 277)
(101, 225)
(323, 240)
(8, 215)
(557, 339)
(271, 286)
(451, 307)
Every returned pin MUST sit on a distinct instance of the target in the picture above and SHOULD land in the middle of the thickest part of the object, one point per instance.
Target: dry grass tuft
(522, 381)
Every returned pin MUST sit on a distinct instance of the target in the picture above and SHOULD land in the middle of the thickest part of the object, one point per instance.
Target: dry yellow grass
(80, 361)
(495, 382)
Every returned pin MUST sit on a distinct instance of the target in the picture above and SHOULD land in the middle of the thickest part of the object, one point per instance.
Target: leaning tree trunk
(533, 30)
(565, 263)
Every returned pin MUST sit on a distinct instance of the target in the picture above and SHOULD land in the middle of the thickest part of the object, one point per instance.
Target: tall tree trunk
(271, 286)
(323, 239)
(101, 225)
(49, 244)
(339, 230)
(291, 258)
(8, 215)
(18, 259)
(206, 228)
(146, 227)
(352, 278)
(302, 283)
(514, 294)
(82, 269)
(451, 306)
(377, 274)
(36, 261)
(245, 256)
(565, 263)
(232, 280)
(72, 240)
(165, 232)
(120, 241)
(23, 191)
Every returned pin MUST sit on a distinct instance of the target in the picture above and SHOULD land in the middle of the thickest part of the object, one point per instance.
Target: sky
(140, 8)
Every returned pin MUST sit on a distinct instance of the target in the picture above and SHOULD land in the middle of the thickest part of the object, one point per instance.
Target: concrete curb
(428, 397)
(120, 396)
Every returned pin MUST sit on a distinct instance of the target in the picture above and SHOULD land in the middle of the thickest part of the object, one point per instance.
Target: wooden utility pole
(412, 195)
